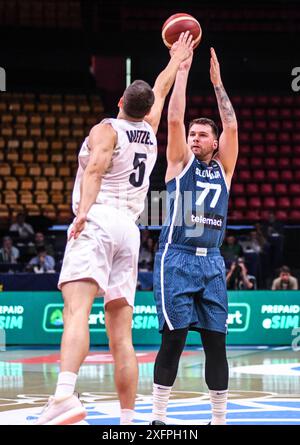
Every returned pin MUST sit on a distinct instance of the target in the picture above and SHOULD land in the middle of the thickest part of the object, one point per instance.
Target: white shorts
(107, 252)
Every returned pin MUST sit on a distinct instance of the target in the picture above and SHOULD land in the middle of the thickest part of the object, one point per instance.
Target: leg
(78, 299)
(167, 359)
(118, 319)
(65, 408)
(165, 369)
(216, 373)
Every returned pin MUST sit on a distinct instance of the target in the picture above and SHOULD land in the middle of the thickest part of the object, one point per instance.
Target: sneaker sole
(73, 416)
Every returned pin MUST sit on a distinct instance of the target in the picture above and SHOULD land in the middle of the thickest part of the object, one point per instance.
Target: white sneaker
(62, 411)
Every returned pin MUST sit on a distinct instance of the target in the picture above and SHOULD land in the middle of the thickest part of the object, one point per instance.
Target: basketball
(178, 23)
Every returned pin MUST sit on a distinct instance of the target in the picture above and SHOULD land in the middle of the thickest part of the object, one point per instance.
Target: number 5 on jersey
(136, 178)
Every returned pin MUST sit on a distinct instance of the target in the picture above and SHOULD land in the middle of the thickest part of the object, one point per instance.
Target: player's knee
(120, 344)
(167, 361)
(74, 310)
(171, 347)
(214, 343)
(216, 348)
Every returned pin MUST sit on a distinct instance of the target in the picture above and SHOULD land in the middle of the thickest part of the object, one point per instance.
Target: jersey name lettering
(139, 136)
(208, 174)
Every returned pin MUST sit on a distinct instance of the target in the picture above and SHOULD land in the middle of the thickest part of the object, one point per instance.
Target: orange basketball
(178, 23)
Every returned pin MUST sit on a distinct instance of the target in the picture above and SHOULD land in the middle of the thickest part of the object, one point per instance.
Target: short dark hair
(205, 121)
(138, 99)
(285, 269)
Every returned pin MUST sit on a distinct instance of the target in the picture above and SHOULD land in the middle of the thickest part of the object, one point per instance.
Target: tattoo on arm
(225, 107)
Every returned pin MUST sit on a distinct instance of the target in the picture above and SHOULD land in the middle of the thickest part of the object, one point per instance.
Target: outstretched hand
(215, 74)
(183, 47)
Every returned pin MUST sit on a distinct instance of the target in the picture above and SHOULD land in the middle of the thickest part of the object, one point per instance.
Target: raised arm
(166, 78)
(228, 143)
(102, 140)
(178, 153)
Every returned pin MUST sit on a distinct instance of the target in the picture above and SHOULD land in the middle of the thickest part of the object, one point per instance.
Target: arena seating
(54, 13)
(40, 136)
(230, 18)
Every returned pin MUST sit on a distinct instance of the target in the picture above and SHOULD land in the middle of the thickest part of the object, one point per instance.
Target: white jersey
(125, 184)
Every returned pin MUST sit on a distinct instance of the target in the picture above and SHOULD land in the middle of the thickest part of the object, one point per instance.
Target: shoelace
(51, 398)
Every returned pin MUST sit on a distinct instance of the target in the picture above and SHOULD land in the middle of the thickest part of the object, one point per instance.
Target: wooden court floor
(264, 386)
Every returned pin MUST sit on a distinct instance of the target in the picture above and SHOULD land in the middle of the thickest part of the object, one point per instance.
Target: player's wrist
(177, 58)
(81, 214)
(183, 71)
(218, 84)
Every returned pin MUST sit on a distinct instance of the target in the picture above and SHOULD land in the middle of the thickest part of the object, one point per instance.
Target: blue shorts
(190, 290)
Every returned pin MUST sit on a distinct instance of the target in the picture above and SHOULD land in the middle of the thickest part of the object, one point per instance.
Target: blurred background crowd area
(254, 256)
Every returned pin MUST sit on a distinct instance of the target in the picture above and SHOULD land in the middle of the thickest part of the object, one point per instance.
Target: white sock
(161, 395)
(65, 384)
(127, 416)
(218, 400)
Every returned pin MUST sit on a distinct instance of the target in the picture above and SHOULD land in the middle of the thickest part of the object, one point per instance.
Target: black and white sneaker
(157, 422)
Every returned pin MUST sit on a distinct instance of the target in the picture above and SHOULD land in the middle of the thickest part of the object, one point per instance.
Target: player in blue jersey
(189, 272)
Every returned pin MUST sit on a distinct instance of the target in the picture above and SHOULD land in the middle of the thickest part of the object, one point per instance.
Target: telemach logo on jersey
(209, 220)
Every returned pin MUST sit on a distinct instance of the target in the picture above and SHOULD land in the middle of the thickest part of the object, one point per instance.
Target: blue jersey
(197, 202)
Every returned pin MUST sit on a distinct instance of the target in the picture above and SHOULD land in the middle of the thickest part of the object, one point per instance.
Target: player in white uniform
(115, 162)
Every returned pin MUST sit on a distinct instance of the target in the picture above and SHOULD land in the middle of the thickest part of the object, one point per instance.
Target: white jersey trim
(223, 173)
(177, 178)
(170, 326)
(186, 167)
